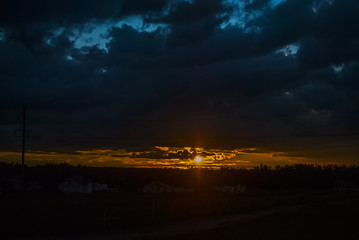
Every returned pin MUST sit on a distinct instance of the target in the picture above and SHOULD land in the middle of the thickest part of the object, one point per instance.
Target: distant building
(240, 189)
(182, 189)
(99, 187)
(13, 183)
(157, 186)
(34, 186)
(230, 189)
(79, 184)
(344, 186)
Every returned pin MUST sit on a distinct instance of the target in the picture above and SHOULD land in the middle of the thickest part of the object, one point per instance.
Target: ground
(268, 215)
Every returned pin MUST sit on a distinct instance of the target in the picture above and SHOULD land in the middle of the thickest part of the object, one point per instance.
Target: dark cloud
(206, 74)
(17, 12)
(256, 4)
(160, 154)
(192, 23)
(30, 21)
(134, 7)
(319, 53)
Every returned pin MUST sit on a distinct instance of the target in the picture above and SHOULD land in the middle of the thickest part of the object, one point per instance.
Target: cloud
(180, 73)
(156, 157)
(67, 12)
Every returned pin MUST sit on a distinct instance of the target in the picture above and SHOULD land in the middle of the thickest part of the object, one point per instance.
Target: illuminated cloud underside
(159, 157)
(98, 33)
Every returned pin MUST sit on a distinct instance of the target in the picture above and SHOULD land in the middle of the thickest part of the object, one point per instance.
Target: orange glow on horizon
(161, 157)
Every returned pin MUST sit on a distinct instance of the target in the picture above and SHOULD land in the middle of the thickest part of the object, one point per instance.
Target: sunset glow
(160, 84)
(165, 157)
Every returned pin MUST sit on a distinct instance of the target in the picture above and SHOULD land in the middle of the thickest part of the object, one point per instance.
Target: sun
(198, 159)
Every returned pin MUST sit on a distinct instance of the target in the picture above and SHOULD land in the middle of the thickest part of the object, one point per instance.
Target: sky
(156, 83)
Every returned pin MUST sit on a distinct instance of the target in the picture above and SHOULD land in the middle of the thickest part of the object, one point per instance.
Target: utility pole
(23, 139)
(23, 131)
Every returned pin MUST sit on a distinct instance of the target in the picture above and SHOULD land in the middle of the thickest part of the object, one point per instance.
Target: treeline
(298, 176)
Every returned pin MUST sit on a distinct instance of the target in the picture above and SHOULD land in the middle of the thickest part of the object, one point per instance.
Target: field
(290, 202)
(316, 215)
(334, 220)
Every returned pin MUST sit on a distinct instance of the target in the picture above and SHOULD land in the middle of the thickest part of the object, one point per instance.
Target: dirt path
(184, 227)
(205, 224)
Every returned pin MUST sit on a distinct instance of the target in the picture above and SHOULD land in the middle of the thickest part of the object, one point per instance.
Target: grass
(61, 214)
(336, 220)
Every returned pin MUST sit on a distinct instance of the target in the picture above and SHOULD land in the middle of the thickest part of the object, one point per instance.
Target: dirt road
(184, 227)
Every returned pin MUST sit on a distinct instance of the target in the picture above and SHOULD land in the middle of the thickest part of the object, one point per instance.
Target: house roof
(158, 183)
(79, 179)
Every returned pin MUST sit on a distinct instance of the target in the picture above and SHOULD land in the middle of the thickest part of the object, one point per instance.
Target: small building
(239, 189)
(15, 183)
(343, 186)
(12, 183)
(182, 189)
(34, 186)
(79, 184)
(157, 187)
(99, 187)
(230, 189)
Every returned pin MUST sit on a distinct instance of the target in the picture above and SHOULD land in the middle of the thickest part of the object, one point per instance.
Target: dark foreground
(197, 215)
(336, 220)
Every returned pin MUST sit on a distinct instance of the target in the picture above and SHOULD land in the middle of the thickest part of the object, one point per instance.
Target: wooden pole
(23, 141)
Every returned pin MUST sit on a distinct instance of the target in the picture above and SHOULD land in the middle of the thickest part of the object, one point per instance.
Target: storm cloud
(277, 75)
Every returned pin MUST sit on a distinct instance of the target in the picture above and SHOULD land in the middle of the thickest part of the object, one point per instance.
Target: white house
(79, 184)
(157, 186)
